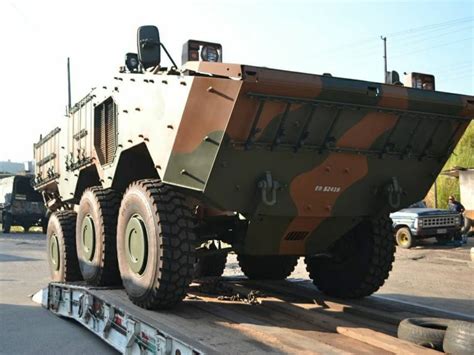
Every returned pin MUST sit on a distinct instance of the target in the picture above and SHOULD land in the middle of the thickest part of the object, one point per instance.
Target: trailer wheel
(96, 231)
(155, 244)
(62, 256)
(210, 265)
(404, 238)
(361, 261)
(6, 223)
(267, 267)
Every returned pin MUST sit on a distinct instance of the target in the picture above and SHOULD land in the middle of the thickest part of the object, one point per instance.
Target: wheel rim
(136, 244)
(403, 238)
(54, 251)
(88, 237)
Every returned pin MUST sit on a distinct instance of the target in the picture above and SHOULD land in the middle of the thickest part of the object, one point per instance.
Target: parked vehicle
(418, 222)
(149, 168)
(20, 204)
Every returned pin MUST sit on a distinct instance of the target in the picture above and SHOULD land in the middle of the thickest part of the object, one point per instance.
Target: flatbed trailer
(235, 316)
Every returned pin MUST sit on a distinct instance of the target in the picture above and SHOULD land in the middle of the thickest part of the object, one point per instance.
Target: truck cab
(417, 222)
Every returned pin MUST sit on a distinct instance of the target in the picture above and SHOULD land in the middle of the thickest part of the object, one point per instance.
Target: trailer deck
(234, 315)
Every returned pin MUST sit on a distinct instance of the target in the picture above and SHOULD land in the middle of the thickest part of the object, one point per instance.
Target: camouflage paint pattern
(335, 146)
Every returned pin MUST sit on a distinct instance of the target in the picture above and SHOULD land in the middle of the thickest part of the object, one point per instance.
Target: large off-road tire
(361, 261)
(155, 244)
(427, 332)
(210, 265)
(96, 231)
(6, 223)
(267, 267)
(61, 244)
(459, 338)
(404, 238)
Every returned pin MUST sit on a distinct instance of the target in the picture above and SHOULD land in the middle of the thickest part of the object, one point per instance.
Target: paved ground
(434, 276)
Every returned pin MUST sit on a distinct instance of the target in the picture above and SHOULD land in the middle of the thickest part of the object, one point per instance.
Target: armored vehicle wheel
(404, 238)
(7, 223)
(62, 256)
(361, 261)
(96, 231)
(267, 267)
(155, 244)
(210, 265)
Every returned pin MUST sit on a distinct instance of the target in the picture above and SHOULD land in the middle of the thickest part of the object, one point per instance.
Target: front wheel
(360, 261)
(155, 244)
(404, 238)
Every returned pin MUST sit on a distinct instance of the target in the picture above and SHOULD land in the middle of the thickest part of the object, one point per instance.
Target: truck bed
(235, 316)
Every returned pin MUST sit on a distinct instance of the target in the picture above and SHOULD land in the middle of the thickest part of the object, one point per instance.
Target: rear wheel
(267, 267)
(7, 223)
(96, 231)
(443, 239)
(212, 265)
(404, 238)
(62, 256)
(155, 244)
(361, 261)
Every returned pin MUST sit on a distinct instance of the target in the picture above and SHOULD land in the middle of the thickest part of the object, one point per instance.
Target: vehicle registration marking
(442, 231)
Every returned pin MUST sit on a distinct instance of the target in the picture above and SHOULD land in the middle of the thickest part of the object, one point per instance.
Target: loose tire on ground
(155, 244)
(427, 332)
(210, 265)
(404, 238)
(267, 267)
(361, 261)
(468, 223)
(459, 338)
(61, 244)
(96, 231)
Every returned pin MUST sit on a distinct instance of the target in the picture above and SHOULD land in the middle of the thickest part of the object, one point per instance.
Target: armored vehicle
(20, 204)
(156, 175)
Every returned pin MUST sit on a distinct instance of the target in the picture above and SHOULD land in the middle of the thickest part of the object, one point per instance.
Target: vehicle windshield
(419, 204)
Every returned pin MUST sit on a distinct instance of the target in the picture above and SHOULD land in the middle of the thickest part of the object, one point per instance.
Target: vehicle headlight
(419, 222)
(209, 54)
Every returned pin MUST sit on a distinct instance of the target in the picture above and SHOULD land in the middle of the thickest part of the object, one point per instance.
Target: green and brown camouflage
(301, 157)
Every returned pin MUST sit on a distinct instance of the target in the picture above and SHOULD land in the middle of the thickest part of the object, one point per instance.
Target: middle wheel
(267, 267)
(95, 236)
(155, 244)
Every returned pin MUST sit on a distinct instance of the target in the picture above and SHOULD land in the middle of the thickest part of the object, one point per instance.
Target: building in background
(8, 168)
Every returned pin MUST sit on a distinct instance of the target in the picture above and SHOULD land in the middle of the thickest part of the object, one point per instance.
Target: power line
(431, 47)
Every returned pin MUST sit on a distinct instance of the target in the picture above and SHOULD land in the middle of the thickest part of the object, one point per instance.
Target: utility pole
(68, 85)
(385, 72)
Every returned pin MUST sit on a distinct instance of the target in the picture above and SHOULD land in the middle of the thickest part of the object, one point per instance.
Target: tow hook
(394, 192)
(269, 187)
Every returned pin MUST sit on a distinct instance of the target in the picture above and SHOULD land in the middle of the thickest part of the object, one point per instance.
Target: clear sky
(339, 37)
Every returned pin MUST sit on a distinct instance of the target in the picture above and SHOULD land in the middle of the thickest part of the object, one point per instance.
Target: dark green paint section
(192, 170)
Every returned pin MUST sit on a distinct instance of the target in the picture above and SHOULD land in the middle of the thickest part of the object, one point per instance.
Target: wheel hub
(54, 251)
(88, 237)
(136, 244)
(403, 238)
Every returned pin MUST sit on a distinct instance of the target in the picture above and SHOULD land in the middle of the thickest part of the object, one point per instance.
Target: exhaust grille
(105, 130)
(296, 235)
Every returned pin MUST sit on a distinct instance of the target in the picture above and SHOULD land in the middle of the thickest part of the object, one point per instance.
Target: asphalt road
(429, 275)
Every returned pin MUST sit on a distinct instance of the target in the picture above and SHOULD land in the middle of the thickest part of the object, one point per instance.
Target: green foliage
(463, 156)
